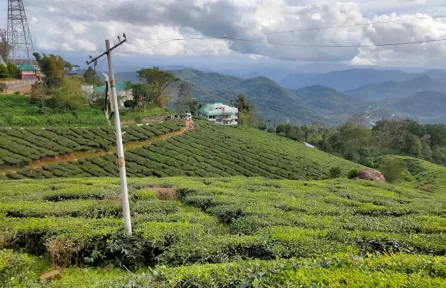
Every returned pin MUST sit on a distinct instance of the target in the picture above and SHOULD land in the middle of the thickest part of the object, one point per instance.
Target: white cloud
(81, 25)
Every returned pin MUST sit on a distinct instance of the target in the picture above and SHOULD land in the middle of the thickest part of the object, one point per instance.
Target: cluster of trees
(57, 90)
(9, 71)
(153, 90)
(356, 142)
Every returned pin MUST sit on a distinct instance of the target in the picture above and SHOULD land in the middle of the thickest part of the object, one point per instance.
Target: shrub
(392, 168)
(353, 173)
(335, 172)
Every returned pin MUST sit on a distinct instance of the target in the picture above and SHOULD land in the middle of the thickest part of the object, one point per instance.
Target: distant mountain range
(355, 78)
(392, 90)
(378, 93)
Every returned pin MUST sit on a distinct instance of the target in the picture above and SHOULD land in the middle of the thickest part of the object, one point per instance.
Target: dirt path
(75, 156)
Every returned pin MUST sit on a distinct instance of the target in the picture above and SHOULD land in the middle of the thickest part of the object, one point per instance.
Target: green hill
(209, 151)
(273, 101)
(227, 232)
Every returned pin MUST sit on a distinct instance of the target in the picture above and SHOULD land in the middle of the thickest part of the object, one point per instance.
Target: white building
(219, 113)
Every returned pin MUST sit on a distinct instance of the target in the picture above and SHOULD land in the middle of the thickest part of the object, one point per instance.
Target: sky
(77, 28)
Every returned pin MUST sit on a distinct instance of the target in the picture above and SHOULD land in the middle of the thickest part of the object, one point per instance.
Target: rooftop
(119, 86)
(27, 67)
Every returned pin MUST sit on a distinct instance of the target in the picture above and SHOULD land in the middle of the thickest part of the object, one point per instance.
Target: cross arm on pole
(92, 60)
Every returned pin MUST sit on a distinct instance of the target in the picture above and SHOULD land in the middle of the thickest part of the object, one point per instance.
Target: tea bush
(208, 151)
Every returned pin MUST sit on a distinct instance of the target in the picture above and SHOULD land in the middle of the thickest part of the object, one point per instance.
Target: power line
(290, 45)
(327, 27)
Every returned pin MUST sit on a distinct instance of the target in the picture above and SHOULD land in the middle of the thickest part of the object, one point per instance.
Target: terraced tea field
(222, 232)
(208, 151)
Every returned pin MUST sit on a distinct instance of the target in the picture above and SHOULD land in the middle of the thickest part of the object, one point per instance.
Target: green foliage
(335, 172)
(158, 82)
(223, 232)
(353, 173)
(91, 77)
(13, 70)
(4, 73)
(130, 104)
(248, 152)
(392, 168)
(69, 95)
(50, 65)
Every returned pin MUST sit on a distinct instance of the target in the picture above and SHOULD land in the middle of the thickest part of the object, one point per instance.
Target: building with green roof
(28, 71)
(219, 113)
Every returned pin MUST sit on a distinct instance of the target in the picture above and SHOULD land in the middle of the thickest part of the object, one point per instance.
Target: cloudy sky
(79, 27)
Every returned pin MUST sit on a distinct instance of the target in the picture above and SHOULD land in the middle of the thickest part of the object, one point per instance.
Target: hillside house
(219, 113)
(122, 92)
(28, 71)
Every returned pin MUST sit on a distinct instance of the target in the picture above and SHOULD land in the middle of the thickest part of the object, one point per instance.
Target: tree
(141, 93)
(13, 70)
(67, 65)
(412, 145)
(91, 77)
(39, 93)
(392, 169)
(242, 103)
(4, 47)
(4, 73)
(158, 81)
(247, 113)
(69, 95)
(184, 96)
(50, 65)
(353, 136)
(186, 103)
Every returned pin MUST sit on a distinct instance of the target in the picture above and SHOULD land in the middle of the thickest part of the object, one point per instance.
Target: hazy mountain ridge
(392, 90)
(346, 79)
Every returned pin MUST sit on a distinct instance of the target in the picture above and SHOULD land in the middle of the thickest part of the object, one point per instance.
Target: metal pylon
(19, 38)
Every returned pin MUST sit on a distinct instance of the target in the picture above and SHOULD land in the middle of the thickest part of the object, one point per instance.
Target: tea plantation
(222, 232)
(208, 151)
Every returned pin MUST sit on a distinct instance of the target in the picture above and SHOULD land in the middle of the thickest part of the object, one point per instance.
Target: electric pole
(121, 159)
(19, 38)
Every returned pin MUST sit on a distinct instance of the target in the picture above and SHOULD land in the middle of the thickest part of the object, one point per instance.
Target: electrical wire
(290, 45)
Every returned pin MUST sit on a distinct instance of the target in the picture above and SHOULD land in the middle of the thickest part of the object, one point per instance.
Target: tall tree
(50, 65)
(91, 77)
(4, 47)
(158, 81)
(247, 112)
(184, 98)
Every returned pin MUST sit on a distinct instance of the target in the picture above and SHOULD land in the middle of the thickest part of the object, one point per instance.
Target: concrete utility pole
(121, 160)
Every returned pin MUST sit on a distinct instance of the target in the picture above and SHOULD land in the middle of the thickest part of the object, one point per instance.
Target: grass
(222, 232)
(21, 113)
(208, 151)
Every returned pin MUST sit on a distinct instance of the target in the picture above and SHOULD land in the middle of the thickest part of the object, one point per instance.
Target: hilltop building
(28, 71)
(219, 113)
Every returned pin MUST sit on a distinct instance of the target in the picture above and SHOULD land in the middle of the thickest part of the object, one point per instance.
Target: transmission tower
(19, 38)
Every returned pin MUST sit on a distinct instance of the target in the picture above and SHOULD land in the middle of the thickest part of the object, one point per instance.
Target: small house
(219, 113)
(28, 71)
(122, 92)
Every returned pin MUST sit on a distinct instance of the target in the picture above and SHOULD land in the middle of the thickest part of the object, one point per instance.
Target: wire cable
(290, 45)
